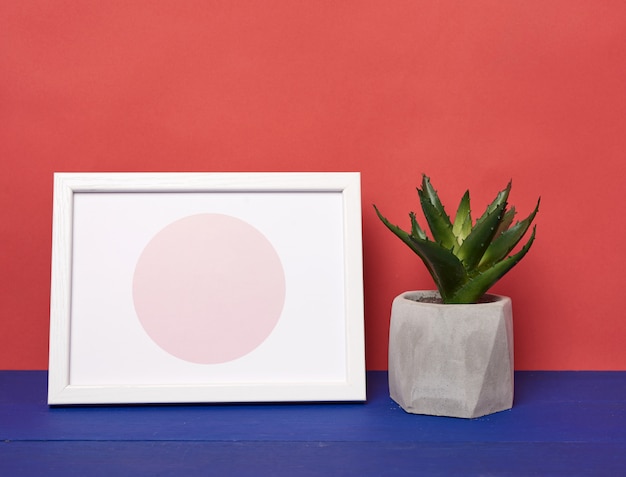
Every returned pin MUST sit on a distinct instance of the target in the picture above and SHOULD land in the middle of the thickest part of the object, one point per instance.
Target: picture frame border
(66, 184)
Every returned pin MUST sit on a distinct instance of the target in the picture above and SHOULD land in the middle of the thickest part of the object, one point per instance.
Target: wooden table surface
(562, 423)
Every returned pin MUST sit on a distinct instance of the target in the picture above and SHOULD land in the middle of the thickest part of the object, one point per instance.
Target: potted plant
(451, 350)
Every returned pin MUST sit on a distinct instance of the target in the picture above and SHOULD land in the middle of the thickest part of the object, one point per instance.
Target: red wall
(471, 93)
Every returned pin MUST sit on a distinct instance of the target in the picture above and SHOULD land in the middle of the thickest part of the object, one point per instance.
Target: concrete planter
(451, 360)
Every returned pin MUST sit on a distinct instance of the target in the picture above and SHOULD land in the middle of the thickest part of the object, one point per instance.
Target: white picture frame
(147, 306)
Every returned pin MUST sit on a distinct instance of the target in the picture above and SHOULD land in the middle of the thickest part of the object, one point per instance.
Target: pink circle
(209, 288)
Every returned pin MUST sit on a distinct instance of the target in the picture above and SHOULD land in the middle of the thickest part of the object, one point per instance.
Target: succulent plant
(464, 258)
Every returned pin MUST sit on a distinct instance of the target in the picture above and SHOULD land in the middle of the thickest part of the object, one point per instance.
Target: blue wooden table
(562, 423)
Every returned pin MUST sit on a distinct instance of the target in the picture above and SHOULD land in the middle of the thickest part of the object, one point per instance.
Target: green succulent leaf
(478, 286)
(506, 221)
(416, 230)
(462, 225)
(478, 240)
(501, 198)
(506, 241)
(445, 268)
(436, 216)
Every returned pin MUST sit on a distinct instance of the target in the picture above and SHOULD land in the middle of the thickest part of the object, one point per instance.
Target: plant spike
(465, 260)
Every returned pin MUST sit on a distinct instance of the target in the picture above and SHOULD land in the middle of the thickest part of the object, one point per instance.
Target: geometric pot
(451, 360)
